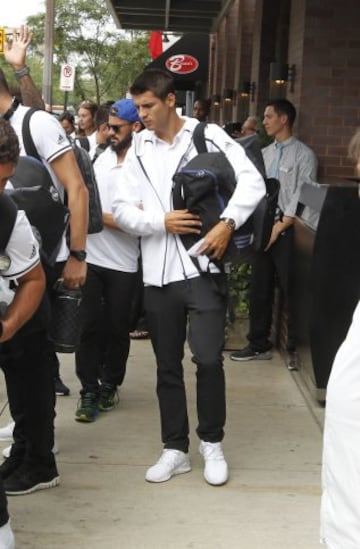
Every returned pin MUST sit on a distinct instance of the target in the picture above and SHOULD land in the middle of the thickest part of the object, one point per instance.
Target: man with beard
(112, 257)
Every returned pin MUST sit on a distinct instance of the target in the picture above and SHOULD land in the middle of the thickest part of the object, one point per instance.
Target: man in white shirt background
(112, 257)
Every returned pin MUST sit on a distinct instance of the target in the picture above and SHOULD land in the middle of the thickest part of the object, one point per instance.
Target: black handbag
(65, 325)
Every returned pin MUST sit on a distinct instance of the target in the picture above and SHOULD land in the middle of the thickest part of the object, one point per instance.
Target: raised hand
(15, 51)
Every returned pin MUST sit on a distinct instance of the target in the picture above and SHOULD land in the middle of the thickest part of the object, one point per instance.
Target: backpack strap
(83, 142)
(28, 141)
(199, 137)
(8, 214)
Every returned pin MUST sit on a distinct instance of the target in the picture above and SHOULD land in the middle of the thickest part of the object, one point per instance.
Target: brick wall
(330, 82)
(324, 45)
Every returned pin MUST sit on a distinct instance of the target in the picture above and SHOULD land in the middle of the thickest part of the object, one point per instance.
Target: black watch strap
(80, 255)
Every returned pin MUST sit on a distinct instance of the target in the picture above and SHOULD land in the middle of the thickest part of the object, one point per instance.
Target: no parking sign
(67, 77)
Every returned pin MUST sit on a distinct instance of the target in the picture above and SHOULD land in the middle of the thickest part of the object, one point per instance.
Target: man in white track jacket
(177, 290)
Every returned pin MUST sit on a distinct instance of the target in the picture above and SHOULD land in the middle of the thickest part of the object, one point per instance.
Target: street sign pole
(48, 55)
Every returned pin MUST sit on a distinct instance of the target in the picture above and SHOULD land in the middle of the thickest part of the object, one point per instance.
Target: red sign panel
(182, 63)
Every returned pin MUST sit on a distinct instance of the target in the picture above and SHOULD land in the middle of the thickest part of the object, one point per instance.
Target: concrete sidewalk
(273, 446)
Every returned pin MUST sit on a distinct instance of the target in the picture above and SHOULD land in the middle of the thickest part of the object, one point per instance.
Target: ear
(171, 100)
(284, 119)
(137, 127)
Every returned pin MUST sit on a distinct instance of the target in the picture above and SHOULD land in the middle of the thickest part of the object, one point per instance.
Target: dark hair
(283, 106)
(108, 103)
(89, 106)
(9, 143)
(102, 115)
(67, 115)
(204, 103)
(157, 81)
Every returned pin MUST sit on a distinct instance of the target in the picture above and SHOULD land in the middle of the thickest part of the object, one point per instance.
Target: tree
(107, 59)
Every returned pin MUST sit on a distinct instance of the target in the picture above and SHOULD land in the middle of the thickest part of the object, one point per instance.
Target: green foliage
(239, 283)
(107, 59)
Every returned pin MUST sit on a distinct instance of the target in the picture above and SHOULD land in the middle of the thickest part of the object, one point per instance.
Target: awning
(167, 15)
(187, 61)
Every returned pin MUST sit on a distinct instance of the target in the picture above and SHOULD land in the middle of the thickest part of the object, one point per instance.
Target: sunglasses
(117, 127)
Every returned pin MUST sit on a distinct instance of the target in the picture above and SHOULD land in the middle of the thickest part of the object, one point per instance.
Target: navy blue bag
(204, 187)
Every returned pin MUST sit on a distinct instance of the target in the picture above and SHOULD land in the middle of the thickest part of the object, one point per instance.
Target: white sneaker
(6, 451)
(171, 462)
(216, 469)
(7, 540)
(6, 433)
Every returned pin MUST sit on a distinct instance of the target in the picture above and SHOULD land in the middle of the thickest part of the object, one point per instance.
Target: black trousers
(52, 275)
(201, 303)
(4, 515)
(104, 344)
(266, 267)
(138, 316)
(31, 395)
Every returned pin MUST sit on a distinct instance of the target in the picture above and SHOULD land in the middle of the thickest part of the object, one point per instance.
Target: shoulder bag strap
(29, 144)
(199, 137)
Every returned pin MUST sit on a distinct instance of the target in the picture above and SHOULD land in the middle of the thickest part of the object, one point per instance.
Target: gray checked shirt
(297, 164)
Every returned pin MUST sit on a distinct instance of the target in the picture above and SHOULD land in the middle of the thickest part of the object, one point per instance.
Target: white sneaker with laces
(6, 433)
(171, 462)
(7, 540)
(216, 471)
(6, 452)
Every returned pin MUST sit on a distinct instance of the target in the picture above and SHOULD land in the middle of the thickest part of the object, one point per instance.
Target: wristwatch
(229, 222)
(80, 255)
(22, 72)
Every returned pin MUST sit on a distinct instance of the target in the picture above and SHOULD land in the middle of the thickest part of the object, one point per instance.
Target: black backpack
(205, 185)
(8, 213)
(40, 319)
(35, 193)
(95, 224)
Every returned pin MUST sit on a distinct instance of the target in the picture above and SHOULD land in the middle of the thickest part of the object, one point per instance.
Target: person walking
(178, 292)
(24, 318)
(112, 257)
(56, 153)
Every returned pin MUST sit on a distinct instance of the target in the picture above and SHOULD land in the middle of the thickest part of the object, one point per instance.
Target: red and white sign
(67, 77)
(182, 63)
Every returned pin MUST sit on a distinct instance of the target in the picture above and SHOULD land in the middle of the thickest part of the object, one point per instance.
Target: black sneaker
(26, 480)
(10, 465)
(108, 397)
(87, 409)
(249, 354)
(60, 388)
(292, 362)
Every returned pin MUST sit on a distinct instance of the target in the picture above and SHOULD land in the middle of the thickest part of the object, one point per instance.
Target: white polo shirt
(50, 141)
(23, 251)
(111, 248)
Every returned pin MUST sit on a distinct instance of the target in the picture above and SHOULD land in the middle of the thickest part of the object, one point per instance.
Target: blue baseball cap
(125, 110)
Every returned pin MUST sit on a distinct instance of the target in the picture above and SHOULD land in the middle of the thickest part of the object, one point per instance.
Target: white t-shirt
(111, 248)
(50, 141)
(92, 144)
(23, 251)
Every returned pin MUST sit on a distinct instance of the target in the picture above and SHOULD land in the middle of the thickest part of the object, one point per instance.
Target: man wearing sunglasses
(112, 257)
